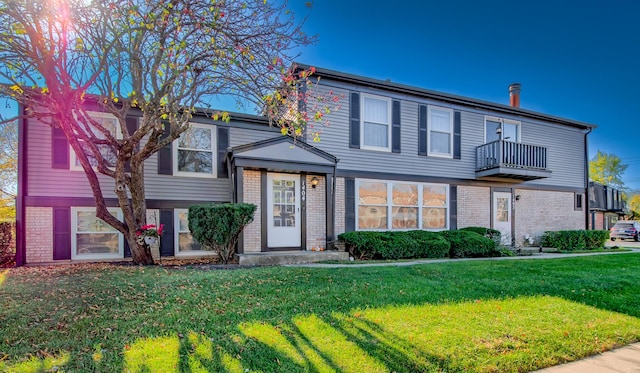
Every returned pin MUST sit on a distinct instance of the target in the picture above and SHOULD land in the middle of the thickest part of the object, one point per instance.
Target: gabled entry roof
(282, 153)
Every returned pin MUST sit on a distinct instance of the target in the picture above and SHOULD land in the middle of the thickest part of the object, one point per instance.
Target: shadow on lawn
(484, 322)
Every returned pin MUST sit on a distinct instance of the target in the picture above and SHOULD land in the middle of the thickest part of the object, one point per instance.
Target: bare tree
(164, 59)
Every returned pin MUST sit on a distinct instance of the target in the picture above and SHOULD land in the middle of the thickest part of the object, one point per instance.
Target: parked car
(628, 229)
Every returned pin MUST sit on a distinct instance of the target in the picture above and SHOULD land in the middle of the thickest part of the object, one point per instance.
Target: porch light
(314, 182)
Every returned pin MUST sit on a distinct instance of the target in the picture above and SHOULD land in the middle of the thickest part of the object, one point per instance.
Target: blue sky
(575, 59)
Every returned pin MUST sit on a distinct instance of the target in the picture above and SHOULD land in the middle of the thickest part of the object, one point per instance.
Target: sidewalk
(622, 360)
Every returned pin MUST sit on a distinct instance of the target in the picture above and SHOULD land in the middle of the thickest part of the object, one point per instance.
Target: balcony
(511, 160)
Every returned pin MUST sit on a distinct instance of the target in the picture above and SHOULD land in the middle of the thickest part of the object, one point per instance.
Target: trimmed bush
(218, 226)
(596, 239)
(430, 244)
(467, 244)
(575, 240)
(7, 244)
(394, 245)
(492, 234)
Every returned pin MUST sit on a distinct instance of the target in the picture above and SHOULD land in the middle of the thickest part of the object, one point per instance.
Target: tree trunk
(140, 252)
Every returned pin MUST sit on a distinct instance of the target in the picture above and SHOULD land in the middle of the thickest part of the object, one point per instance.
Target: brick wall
(474, 206)
(540, 211)
(316, 214)
(39, 234)
(252, 193)
(339, 207)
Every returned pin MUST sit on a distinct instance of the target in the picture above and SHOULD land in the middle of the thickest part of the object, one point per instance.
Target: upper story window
(501, 129)
(194, 152)
(109, 122)
(376, 123)
(440, 132)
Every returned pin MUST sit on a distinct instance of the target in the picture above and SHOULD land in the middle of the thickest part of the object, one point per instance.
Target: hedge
(395, 245)
(490, 233)
(575, 240)
(418, 244)
(467, 244)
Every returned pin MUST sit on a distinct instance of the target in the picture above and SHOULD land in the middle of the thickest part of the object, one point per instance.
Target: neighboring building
(395, 157)
(606, 205)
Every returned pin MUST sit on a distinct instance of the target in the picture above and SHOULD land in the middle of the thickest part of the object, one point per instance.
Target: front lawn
(487, 316)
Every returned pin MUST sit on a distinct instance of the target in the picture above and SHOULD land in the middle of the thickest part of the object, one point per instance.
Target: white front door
(283, 210)
(502, 215)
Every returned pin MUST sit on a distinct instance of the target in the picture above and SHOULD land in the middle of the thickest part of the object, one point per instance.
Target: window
(578, 204)
(385, 205)
(440, 132)
(376, 123)
(92, 238)
(194, 153)
(501, 129)
(109, 122)
(185, 243)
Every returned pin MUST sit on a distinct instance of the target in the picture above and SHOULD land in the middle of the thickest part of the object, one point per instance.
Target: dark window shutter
(166, 240)
(61, 233)
(350, 204)
(395, 127)
(223, 144)
(457, 134)
(132, 126)
(422, 130)
(354, 114)
(59, 149)
(127, 249)
(165, 155)
(453, 207)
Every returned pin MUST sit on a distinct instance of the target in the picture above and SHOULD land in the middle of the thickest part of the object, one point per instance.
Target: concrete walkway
(621, 360)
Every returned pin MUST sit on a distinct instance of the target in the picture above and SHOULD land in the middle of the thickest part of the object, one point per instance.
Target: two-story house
(395, 157)
(606, 205)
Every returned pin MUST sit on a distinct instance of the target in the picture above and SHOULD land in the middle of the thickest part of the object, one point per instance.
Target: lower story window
(185, 243)
(93, 238)
(387, 205)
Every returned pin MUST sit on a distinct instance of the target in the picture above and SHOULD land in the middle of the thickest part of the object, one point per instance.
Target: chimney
(514, 94)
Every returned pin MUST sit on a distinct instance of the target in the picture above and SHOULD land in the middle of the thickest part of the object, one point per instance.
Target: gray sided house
(395, 157)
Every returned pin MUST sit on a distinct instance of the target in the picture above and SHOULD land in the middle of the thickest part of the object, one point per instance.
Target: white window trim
(390, 204)
(214, 154)
(94, 114)
(433, 153)
(502, 121)
(389, 125)
(74, 231)
(176, 237)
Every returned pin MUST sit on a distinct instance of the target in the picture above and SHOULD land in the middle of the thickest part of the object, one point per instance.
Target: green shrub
(361, 244)
(596, 239)
(575, 240)
(218, 226)
(394, 245)
(492, 234)
(430, 244)
(467, 244)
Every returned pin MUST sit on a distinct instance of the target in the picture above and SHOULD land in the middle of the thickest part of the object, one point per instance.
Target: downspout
(586, 179)
(21, 249)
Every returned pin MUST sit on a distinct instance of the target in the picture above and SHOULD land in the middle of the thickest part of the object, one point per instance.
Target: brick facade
(316, 214)
(339, 207)
(539, 211)
(39, 234)
(252, 193)
(474, 206)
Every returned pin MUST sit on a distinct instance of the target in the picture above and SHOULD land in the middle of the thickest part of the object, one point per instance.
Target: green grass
(606, 250)
(485, 316)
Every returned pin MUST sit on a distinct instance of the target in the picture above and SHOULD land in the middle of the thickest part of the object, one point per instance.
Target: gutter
(586, 179)
(21, 249)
